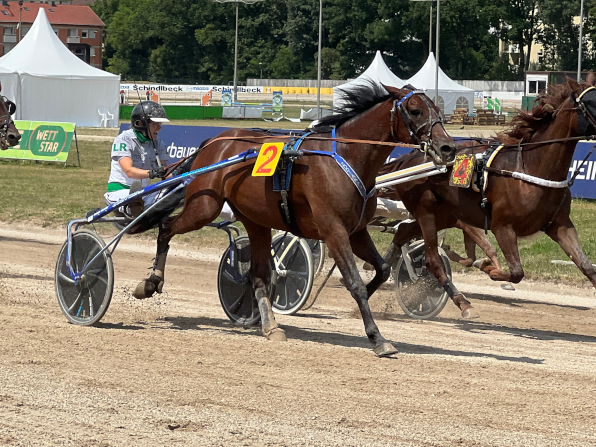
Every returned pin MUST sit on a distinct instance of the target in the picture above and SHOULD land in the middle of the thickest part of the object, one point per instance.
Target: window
(55, 30)
(462, 103)
(8, 47)
(4, 12)
(26, 8)
(92, 34)
(92, 52)
(73, 32)
(51, 10)
(9, 31)
(26, 30)
(84, 33)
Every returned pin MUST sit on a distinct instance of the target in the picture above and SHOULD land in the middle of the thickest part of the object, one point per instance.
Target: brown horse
(9, 135)
(324, 202)
(526, 190)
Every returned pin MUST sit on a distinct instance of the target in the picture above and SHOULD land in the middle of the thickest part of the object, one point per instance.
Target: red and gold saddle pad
(463, 168)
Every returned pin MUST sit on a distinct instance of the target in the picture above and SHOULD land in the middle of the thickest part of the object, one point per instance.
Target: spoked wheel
(86, 302)
(317, 249)
(235, 290)
(425, 297)
(294, 273)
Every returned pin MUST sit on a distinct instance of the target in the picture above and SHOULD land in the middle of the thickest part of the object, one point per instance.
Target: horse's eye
(416, 112)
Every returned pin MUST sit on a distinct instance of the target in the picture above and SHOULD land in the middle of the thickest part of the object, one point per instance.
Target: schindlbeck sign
(42, 141)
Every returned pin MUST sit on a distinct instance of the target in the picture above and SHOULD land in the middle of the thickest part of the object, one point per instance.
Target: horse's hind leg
(475, 236)
(565, 235)
(198, 212)
(338, 243)
(364, 248)
(260, 256)
(507, 239)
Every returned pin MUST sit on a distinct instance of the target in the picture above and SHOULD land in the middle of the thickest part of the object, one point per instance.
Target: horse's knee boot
(148, 287)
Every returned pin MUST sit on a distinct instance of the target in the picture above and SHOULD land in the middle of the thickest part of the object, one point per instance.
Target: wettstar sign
(42, 141)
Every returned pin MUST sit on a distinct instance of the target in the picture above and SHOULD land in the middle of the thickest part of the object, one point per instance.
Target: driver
(133, 158)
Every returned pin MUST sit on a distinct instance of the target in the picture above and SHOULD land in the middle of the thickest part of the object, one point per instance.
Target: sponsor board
(180, 88)
(41, 140)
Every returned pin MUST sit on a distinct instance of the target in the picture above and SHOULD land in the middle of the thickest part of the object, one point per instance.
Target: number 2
(269, 154)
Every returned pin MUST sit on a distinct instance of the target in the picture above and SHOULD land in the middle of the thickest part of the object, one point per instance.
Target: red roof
(57, 15)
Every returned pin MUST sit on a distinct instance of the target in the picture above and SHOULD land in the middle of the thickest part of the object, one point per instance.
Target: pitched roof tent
(57, 15)
(425, 78)
(41, 53)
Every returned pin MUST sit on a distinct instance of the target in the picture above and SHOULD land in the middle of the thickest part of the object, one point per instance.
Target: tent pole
(437, 50)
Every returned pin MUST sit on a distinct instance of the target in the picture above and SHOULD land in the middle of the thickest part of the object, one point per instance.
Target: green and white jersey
(127, 144)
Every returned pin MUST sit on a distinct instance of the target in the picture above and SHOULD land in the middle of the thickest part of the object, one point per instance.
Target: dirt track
(174, 371)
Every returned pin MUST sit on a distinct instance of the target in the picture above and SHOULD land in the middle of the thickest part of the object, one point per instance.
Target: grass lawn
(50, 195)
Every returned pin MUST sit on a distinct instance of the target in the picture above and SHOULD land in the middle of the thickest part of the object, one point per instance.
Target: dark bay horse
(325, 203)
(526, 191)
(9, 135)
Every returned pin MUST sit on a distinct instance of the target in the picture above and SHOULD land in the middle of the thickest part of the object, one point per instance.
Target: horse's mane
(355, 101)
(525, 124)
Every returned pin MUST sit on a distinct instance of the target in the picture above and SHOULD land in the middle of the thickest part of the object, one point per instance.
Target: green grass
(50, 195)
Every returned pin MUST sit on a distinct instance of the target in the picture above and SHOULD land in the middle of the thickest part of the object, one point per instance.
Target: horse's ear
(394, 91)
(591, 79)
(574, 85)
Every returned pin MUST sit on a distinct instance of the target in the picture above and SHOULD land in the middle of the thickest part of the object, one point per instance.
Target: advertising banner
(179, 88)
(278, 102)
(226, 98)
(41, 140)
(584, 186)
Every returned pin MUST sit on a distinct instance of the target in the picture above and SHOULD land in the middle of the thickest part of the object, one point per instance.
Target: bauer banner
(41, 140)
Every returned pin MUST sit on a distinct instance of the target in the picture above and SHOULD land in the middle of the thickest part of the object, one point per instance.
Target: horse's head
(584, 100)
(9, 135)
(415, 119)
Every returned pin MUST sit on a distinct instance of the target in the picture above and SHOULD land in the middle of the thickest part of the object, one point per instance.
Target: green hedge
(181, 112)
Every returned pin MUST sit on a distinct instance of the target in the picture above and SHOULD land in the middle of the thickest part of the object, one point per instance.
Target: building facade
(78, 27)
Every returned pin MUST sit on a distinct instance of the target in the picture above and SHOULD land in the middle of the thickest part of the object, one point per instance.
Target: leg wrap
(450, 288)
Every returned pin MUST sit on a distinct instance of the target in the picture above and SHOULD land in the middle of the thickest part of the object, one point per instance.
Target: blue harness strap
(345, 166)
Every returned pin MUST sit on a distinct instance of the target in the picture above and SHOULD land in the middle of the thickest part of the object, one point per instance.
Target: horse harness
(10, 108)
(399, 105)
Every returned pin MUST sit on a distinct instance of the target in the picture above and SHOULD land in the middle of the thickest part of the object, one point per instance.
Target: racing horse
(9, 135)
(526, 189)
(333, 179)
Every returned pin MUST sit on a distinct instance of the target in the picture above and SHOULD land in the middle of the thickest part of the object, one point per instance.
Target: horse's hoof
(470, 313)
(385, 349)
(368, 267)
(145, 289)
(480, 264)
(276, 334)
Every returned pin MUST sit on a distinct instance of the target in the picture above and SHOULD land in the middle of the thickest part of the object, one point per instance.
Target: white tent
(10, 84)
(54, 84)
(451, 94)
(377, 71)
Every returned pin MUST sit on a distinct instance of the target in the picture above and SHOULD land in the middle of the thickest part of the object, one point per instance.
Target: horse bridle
(585, 118)
(10, 108)
(399, 105)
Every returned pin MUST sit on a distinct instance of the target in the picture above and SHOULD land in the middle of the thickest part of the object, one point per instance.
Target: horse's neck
(372, 125)
(552, 161)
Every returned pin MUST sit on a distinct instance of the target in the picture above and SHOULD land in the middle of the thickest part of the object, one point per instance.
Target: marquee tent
(451, 94)
(377, 71)
(54, 84)
(10, 84)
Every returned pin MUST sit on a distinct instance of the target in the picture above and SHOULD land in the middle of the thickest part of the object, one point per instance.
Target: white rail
(409, 174)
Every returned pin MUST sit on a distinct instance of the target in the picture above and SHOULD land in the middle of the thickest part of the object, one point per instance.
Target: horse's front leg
(147, 287)
(563, 232)
(364, 248)
(260, 273)
(428, 225)
(338, 243)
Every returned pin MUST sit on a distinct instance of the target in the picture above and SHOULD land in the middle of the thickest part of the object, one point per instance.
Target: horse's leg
(364, 248)
(507, 240)
(428, 226)
(260, 269)
(563, 232)
(338, 243)
(195, 215)
(475, 236)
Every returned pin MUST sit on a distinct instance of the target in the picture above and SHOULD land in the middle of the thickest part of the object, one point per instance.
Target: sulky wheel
(424, 298)
(294, 266)
(317, 249)
(86, 302)
(235, 290)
